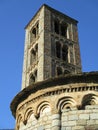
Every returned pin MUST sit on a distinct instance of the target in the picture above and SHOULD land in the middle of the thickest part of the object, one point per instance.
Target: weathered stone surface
(78, 128)
(73, 117)
(94, 116)
(84, 116)
(82, 122)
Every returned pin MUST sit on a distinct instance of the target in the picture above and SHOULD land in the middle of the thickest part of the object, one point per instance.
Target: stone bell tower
(56, 94)
(51, 46)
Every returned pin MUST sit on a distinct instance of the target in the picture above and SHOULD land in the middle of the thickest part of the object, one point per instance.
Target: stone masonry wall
(68, 120)
(80, 119)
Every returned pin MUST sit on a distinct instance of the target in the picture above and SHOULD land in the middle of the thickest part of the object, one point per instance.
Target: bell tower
(51, 46)
(56, 94)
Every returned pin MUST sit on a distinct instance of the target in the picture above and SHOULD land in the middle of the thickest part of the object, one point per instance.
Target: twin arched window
(62, 51)
(60, 28)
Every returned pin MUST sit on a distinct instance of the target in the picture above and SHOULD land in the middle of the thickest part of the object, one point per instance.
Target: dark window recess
(35, 73)
(36, 55)
(59, 71)
(34, 33)
(33, 56)
(65, 53)
(58, 50)
(64, 30)
(32, 79)
(56, 27)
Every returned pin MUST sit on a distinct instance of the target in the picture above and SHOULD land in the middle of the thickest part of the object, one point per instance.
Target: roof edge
(50, 8)
(87, 77)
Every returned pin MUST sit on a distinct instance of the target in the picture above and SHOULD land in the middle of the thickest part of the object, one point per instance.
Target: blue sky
(14, 15)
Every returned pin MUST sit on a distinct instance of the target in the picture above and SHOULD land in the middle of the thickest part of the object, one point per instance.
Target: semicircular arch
(65, 102)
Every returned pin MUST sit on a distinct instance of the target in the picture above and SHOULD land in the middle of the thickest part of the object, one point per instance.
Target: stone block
(87, 111)
(63, 128)
(96, 122)
(73, 117)
(94, 116)
(80, 111)
(64, 118)
(45, 118)
(55, 128)
(55, 116)
(78, 128)
(56, 123)
(73, 112)
(68, 123)
(91, 107)
(90, 122)
(65, 113)
(34, 122)
(91, 127)
(84, 116)
(41, 128)
(47, 126)
(68, 128)
(95, 111)
(81, 122)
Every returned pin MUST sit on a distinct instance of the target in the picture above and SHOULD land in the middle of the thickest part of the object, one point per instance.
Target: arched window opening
(65, 53)
(32, 79)
(64, 30)
(36, 47)
(56, 27)
(58, 50)
(34, 33)
(59, 71)
(33, 56)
